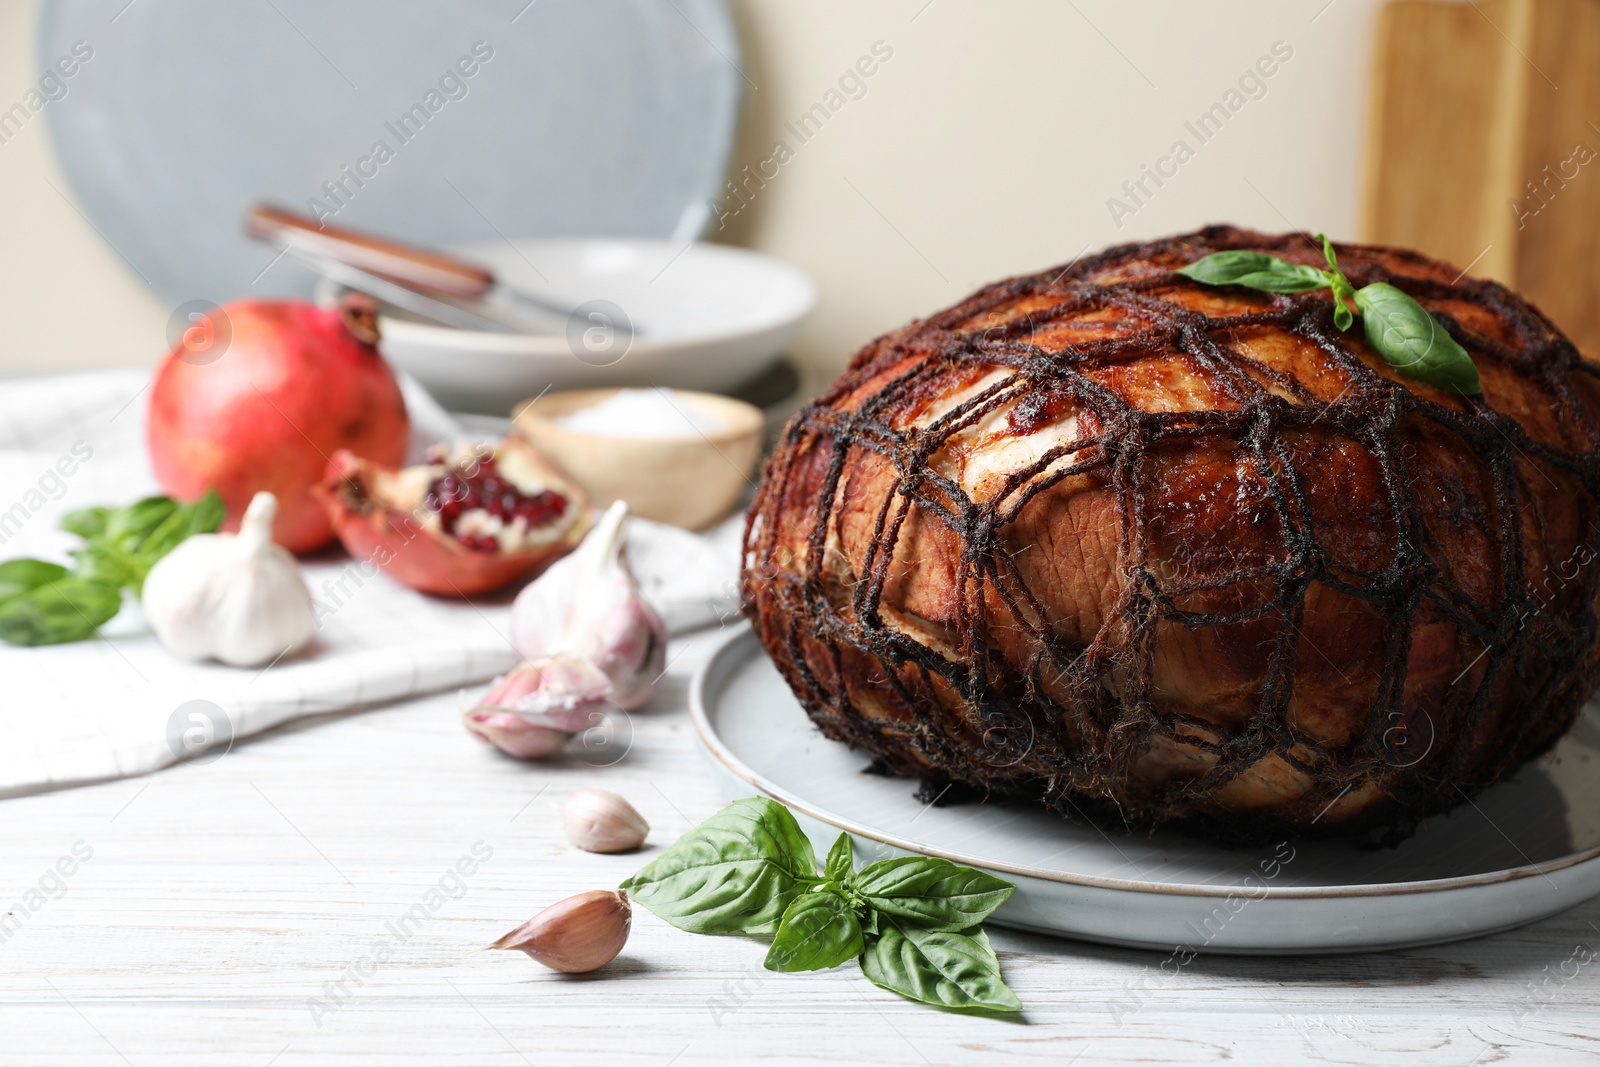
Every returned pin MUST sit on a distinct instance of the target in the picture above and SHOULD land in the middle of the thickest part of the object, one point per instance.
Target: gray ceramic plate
(1521, 851)
(579, 118)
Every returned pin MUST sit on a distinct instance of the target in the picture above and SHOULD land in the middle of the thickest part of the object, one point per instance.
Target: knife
(431, 284)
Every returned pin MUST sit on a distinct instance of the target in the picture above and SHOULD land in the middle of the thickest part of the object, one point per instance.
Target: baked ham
(1151, 552)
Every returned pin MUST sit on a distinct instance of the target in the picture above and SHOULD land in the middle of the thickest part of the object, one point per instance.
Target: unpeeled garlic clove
(514, 735)
(533, 711)
(563, 691)
(576, 935)
(589, 605)
(598, 821)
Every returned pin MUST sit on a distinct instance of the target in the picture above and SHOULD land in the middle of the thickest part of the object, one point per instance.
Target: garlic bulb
(598, 821)
(576, 935)
(591, 643)
(588, 605)
(534, 710)
(237, 598)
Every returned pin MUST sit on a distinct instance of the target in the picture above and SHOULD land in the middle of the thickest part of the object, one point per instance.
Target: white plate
(1521, 851)
(713, 318)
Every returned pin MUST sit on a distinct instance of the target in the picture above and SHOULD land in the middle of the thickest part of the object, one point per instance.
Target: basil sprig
(735, 873)
(41, 604)
(44, 603)
(1396, 326)
(914, 923)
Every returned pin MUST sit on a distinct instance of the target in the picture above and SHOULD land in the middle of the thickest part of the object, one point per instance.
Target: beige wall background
(987, 145)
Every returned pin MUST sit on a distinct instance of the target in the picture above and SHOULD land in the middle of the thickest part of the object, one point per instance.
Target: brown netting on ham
(1146, 551)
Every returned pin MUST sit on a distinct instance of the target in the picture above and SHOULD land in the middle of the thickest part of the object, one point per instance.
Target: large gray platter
(590, 118)
(1521, 851)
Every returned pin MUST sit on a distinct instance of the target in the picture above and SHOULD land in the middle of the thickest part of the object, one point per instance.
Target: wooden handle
(413, 267)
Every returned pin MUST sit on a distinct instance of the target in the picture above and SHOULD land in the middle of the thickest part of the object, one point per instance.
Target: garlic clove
(599, 821)
(532, 711)
(514, 735)
(576, 935)
(630, 647)
(237, 598)
(562, 691)
(589, 605)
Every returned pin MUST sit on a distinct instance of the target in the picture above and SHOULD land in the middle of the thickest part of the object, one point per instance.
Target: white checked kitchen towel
(105, 708)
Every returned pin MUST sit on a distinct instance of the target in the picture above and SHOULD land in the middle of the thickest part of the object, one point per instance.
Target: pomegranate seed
(480, 486)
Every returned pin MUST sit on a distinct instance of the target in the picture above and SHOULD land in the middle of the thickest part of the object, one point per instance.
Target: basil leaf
(70, 609)
(207, 513)
(1413, 341)
(1226, 268)
(203, 516)
(841, 862)
(105, 562)
(1328, 253)
(951, 970)
(1342, 315)
(932, 893)
(1285, 278)
(21, 575)
(1343, 292)
(1256, 270)
(131, 525)
(86, 522)
(735, 873)
(165, 537)
(819, 930)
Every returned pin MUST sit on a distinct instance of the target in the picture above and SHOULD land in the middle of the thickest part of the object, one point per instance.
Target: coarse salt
(650, 413)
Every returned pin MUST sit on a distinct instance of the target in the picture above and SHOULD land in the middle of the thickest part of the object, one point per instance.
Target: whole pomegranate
(263, 401)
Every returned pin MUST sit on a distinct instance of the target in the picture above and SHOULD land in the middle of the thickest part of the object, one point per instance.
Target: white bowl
(707, 317)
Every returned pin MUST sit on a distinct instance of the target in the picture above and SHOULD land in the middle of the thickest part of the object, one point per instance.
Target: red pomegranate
(465, 523)
(262, 397)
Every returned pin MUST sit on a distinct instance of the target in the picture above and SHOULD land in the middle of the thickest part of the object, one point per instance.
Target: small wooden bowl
(690, 481)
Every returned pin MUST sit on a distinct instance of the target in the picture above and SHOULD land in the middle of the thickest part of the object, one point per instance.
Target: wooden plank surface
(224, 904)
(1440, 83)
(1553, 208)
(1483, 145)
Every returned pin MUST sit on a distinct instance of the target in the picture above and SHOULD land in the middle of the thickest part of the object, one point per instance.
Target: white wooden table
(283, 905)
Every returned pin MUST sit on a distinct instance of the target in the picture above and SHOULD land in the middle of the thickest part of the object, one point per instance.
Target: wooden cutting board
(1484, 145)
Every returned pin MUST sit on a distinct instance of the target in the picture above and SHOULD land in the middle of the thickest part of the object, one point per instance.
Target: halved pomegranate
(464, 523)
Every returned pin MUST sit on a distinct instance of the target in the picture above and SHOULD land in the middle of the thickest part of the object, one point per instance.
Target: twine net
(1071, 721)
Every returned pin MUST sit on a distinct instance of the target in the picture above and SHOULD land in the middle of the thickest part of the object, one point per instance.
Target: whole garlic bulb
(588, 605)
(237, 598)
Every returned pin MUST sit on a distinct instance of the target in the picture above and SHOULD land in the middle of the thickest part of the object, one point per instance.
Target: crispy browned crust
(1115, 542)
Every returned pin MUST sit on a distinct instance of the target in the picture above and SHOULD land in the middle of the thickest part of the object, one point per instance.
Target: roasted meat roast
(1150, 552)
